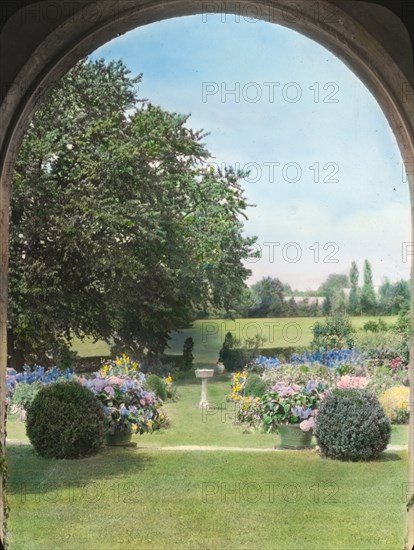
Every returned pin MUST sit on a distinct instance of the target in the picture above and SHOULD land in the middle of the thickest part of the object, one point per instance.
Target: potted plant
(127, 406)
(291, 410)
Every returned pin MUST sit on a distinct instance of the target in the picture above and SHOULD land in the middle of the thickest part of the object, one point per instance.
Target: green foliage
(335, 333)
(65, 420)
(157, 385)
(236, 355)
(268, 298)
(404, 329)
(334, 282)
(188, 356)
(24, 394)
(117, 228)
(368, 298)
(354, 299)
(375, 326)
(332, 289)
(327, 306)
(352, 425)
(255, 386)
(394, 297)
(371, 342)
(290, 405)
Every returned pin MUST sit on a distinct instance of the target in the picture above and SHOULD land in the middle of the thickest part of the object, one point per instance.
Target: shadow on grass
(30, 474)
(389, 457)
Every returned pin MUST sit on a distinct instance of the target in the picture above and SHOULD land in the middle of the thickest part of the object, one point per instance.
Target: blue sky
(295, 106)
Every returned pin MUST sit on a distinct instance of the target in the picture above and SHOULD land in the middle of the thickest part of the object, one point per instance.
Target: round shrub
(255, 386)
(65, 420)
(395, 401)
(157, 385)
(352, 425)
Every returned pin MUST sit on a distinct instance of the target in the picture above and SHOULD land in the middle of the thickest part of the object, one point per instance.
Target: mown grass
(208, 335)
(139, 498)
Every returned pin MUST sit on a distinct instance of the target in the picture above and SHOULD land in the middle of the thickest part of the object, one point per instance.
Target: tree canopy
(119, 231)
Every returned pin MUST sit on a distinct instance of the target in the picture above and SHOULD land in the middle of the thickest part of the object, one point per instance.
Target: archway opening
(388, 113)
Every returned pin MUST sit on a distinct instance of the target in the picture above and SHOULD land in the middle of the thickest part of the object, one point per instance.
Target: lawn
(146, 497)
(208, 335)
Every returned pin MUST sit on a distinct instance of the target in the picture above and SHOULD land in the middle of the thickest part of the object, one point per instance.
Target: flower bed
(119, 385)
(128, 407)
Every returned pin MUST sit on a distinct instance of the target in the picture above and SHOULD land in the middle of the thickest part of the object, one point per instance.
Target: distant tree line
(339, 293)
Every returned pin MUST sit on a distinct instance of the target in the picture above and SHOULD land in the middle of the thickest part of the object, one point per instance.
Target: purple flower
(99, 384)
(109, 390)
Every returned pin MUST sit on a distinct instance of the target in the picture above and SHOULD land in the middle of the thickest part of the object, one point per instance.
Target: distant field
(208, 335)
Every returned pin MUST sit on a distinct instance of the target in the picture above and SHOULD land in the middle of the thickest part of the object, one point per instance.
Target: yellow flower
(118, 362)
(395, 401)
(169, 380)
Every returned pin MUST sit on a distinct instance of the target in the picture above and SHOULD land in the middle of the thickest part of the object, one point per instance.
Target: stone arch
(52, 36)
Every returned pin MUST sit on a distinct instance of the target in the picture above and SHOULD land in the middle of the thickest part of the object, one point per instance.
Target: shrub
(404, 329)
(375, 326)
(188, 356)
(395, 402)
(157, 385)
(249, 412)
(236, 355)
(352, 425)
(65, 420)
(255, 386)
(335, 333)
(24, 394)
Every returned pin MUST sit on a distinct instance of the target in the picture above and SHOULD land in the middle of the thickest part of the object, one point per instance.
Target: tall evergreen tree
(354, 299)
(368, 298)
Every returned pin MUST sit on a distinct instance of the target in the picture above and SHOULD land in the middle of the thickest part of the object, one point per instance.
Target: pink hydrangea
(347, 381)
(110, 391)
(116, 380)
(307, 425)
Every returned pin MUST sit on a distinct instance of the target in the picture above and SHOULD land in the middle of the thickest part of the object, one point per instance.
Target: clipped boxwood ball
(352, 425)
(65, 420)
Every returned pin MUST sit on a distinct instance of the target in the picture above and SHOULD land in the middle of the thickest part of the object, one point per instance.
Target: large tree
(268, 296)
(394, 297)
(118, 229)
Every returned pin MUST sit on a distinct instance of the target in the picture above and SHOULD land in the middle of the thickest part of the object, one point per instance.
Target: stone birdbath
(204, 374)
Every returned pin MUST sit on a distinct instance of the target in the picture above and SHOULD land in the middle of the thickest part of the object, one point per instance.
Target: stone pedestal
(204, 374)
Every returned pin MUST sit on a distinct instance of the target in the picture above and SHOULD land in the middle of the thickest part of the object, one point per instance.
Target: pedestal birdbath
(204, 374)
